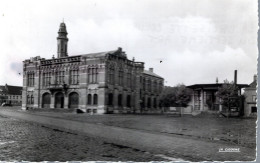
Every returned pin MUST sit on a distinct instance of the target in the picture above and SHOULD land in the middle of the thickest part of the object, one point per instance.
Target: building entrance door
(59, 100)
(46, 100)
(73, 100)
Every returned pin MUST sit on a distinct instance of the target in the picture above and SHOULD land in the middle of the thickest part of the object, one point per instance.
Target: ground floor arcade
(92, 101)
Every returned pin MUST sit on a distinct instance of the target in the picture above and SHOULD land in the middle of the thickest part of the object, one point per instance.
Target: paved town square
(193, 138)
(129, 81)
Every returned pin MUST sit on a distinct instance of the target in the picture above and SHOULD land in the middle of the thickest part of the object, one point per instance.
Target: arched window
(128, 103)
(95, 99)
(89, 99)
(120, 100)
(110, 99)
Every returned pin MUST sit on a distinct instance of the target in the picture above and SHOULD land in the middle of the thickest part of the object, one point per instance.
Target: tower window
(61, 45)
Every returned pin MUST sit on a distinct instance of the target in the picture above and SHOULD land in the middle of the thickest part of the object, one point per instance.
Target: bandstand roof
(213, 86)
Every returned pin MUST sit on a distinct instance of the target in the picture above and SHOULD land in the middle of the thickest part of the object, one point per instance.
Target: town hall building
(105, 82)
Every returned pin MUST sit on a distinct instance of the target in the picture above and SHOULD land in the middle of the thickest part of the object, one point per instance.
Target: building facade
(105, 82)
(250, 98)
(11, 95)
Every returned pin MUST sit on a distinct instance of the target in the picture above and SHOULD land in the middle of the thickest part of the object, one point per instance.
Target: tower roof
(62, 28)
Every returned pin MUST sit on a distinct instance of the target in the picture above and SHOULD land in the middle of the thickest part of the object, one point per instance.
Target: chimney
(235, 77)
(255, 77)
(151, 69)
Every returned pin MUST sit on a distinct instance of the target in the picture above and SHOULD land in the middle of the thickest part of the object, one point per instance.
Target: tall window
(149, 103)
(154, 103)
(92, 75)
(95, 99)
(133, 81)
(160, 86)
(129, 80)
(253, 98)
(144, 84)
(110, 99)
(149, 85)
(120, 100)
(28, 99)
(32, 99)
(143, 103)
(59, 77)
(74, 76)
(46, 78)
(111, 77)
(128, 101)
(155, 86)
(30, 82)
(89, 99)
(121, 77)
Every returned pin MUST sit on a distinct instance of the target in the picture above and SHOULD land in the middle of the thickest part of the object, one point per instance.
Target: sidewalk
(155, 142)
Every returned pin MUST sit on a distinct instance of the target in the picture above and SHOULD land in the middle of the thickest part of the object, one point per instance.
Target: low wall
(177, 110)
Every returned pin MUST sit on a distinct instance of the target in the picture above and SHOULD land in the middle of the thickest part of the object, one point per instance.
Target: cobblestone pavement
(236, 131)
(20, 140)
(195, 139)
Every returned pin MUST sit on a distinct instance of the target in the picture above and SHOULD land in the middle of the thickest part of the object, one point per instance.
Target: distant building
(204, 97)
(105, 82)
(10, 95)
(250, 95)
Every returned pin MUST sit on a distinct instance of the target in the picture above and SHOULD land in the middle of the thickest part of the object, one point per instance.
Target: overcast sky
(196, 41)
